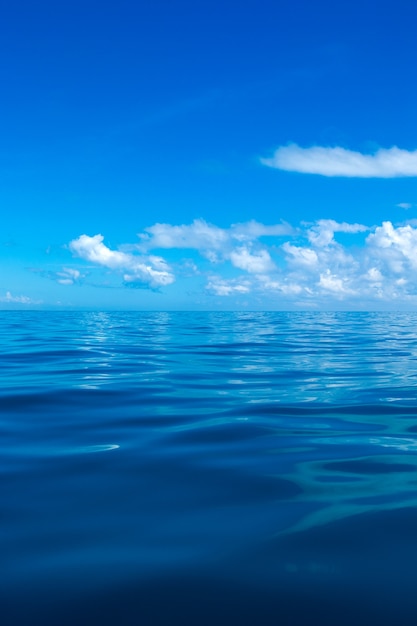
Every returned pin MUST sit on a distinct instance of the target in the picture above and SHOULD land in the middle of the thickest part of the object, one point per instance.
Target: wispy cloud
(325, 161)
(221, 287)
(68, 276)
(238, 244)
(64, 276)
(203, 236)
(11, 299)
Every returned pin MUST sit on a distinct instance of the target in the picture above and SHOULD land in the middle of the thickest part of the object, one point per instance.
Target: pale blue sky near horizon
(208, 155)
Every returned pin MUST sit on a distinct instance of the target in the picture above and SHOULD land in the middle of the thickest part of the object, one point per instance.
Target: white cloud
(198, 235)
(238, 244)
(312, 269)
(404, 205)
(299, 255)
(202, 236)
(384, 163)
(266, 283)
(68, 276)
(374, 275)
(152, 271)
(258, 263)
(221, 287)
(249, 231)
(322, 233)
(18, 299)
(330, 282)
(395, 247)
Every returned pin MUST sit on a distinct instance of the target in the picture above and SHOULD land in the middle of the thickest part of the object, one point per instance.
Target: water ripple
(233, 431)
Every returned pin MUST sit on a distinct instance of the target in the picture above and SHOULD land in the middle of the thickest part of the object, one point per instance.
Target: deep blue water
(208, 468)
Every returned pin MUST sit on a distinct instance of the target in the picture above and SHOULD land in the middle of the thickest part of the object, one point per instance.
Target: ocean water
(208, 468)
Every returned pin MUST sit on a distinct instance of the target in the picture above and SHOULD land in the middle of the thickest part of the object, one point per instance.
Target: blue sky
(208, 155)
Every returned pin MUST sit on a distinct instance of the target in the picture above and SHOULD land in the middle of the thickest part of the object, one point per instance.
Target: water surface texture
(208, 468)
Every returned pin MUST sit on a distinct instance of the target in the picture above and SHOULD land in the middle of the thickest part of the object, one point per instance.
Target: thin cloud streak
(325, 161)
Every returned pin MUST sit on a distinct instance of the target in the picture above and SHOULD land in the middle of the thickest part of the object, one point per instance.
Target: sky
(213, 155)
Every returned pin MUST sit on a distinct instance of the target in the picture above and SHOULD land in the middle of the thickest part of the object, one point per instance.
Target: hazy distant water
(208, 468)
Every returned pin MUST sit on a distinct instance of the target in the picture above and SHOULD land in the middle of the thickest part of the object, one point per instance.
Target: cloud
(198, 235)
(308, 267)
(258, 263)
(396, 248)
(150, 271)
(322, 233)
(9, 298)
(404, 205)
(325, 161)
(335, 284)
(298, 255)
(221, 287)
(204, 237)
(238, 244)
(68, 276)
(249, 231)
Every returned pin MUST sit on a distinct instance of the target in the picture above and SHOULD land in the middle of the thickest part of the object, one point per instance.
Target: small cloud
(189, 268)
(333, 283)
(404, 205)
(396, 246)
(199, 235)
(202, 236)
(151, 271)
(220, 287)
(235, 244)
(9, 298)
(68, 276)
(249, 231)
(325, 161)
(299, 255)
(258, 263)
(322, 233)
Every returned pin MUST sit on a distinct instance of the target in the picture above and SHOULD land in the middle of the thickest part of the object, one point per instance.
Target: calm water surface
(208, 468)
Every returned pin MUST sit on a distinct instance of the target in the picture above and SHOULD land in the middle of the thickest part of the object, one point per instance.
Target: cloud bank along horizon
(309, 265)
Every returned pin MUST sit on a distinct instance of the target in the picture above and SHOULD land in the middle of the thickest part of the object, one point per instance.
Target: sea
(208, 468)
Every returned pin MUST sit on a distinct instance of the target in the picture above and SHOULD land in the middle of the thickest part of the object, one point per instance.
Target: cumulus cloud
(198, 235)
(300, 255)
(396, 248)
(325, 161)
(151, 271)
(258, 263)
(238, 244)
(322, 232)
(308, 266)
(201, 235)
(333, 283)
